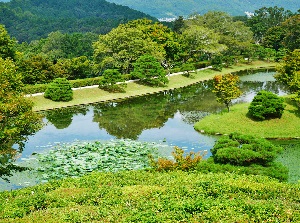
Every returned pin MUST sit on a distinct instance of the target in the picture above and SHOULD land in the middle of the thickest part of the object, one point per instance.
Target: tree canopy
(17, 120)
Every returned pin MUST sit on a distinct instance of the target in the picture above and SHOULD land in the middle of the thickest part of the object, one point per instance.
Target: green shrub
(59, 90)
(202, 64)
(110, 80)
(37, 88)
(274, 169)
(266, 105)
(149, 70)
(188, 69)
(85, 82)
(243, 150)
(217, 63)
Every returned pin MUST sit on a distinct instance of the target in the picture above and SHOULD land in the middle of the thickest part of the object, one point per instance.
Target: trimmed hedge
(266, 105)
(59, 90)
(39, 88)
(274, 169)
(244, 150)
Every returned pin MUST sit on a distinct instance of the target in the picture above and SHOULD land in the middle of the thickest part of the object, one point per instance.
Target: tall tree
(198, 39)
(7, 45)
(234, 34)
(226, 88)
(178, 25)
(288, 73)
(265, 18)
(17, 120)
(291, 38)
(121, 47)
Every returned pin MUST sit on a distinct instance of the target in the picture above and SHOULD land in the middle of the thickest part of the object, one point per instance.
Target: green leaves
(110, 80)
(266, 105)
(59, 90)
(288, 73)
(81, 158)
(149, 71)
(226, 88)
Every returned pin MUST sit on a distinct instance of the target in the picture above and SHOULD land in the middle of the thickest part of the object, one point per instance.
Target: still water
(166, 117)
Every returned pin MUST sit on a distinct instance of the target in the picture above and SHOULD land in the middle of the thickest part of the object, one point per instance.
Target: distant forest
(34, 19)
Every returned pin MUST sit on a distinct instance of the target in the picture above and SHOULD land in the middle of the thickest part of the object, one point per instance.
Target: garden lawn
(288, 126)
(92, 95)
(140, 196)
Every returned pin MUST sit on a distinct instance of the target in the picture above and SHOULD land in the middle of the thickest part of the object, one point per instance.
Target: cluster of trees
(17, 120)
(35, 19)
(214, 36)
(141, 48)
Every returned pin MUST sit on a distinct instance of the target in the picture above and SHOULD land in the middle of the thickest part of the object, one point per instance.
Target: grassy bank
(288, 126)
(140, 196)
(91, 95)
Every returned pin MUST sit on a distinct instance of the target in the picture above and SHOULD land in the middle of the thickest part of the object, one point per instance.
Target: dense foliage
(266, 105)
(17, 120)
(244, 154)
(112, 81)
(28, 20)
(59, 90)
(288, 73)
(148, 70)
(7, 44)
(244, 150)
(139, 196)
(226, 88)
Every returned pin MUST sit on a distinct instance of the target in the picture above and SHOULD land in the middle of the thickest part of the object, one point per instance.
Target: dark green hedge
(59, 90)
(266, 105)
(244, 150)
(39, 88)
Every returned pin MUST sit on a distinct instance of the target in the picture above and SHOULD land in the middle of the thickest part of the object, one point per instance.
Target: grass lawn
(92, 95)
(140, 196)
(288, 126)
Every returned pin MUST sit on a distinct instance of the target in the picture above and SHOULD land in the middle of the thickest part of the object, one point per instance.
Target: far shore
(93, 94)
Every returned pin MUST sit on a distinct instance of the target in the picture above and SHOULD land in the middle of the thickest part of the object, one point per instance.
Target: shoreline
(92, 94)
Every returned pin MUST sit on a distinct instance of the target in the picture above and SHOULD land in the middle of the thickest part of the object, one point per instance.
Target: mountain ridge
(34, 19)
(175, 8)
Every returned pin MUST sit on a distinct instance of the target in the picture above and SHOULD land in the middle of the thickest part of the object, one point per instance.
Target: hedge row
(38, 88)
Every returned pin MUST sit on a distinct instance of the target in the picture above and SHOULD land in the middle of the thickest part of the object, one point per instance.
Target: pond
(166, 118)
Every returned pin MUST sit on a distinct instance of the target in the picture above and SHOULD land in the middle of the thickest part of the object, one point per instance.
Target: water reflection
(129, 118)
(168, 116)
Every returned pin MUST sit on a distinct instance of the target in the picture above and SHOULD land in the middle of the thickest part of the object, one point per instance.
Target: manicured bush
(110, 80)
(188, 69)
(274, 169)
(202, 64)
(59, 90)
(32, 89)
(266, 105)
(85, 82)
(149, 70)
(243, 150)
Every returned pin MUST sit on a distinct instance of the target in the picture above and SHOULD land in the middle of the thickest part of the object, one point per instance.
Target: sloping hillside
(33, 19)
(174, 8)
